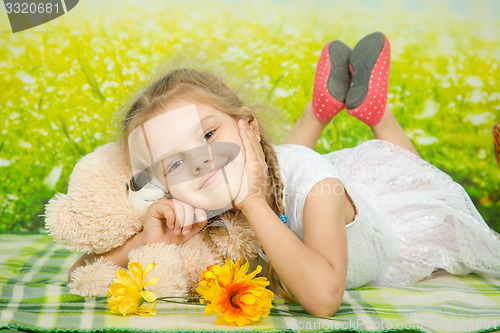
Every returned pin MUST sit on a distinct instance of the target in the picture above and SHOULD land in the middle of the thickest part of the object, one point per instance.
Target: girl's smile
(214, 176)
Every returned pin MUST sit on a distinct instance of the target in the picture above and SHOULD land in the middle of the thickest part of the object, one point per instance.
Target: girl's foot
(370, 62)
(331, 81)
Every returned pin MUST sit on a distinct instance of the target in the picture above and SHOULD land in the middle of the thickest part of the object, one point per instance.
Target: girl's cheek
(181, 190)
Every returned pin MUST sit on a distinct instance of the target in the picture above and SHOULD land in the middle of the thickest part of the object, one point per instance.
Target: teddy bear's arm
(82, 261)
(117, 256)
(93, 277)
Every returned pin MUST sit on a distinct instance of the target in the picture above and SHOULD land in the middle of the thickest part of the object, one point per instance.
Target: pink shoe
(331, 81)
(370, 62)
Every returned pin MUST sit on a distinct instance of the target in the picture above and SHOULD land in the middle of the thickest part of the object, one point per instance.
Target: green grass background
(62, 83)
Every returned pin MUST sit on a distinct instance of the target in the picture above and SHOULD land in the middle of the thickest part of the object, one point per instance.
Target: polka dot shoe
(367, 95)
(331, 81)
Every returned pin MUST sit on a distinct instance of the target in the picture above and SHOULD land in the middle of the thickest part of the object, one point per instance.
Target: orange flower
(237, 298)
(128, 294)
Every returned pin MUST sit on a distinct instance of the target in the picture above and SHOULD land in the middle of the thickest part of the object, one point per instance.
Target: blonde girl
(374, 214)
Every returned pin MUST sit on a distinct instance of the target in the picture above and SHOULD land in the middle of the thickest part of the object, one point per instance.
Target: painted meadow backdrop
(62, 83)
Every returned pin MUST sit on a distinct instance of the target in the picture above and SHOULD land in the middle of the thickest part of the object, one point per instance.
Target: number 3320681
(31, 8)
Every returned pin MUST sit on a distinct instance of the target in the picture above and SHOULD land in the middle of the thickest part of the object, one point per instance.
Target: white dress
(412, 218)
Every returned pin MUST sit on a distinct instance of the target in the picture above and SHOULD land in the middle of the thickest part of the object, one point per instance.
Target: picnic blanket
(34, 297)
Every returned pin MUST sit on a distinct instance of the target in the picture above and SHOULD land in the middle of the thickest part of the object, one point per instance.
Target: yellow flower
(128, 294)
(237, 298)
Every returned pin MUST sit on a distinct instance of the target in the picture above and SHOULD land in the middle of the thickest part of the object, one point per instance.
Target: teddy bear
(103, 209)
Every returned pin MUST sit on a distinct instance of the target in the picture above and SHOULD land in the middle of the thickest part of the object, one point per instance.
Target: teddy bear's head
(105, 206)
(101, 209)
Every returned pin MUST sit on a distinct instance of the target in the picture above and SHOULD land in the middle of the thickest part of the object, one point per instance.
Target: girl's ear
(254, 124)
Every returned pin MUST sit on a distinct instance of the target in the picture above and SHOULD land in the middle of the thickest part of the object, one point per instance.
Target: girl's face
(196, 152)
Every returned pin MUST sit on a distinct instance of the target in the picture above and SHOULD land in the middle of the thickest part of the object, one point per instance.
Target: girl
(374, 214)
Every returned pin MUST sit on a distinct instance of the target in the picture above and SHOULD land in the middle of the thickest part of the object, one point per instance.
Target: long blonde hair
(204, 87)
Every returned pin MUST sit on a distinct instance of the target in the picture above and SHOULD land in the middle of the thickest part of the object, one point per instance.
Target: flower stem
(183, 297)
(168, 299)
(273, 311)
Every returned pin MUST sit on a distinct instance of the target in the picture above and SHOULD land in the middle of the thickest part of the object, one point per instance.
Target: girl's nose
(201, 167)
(200, 161)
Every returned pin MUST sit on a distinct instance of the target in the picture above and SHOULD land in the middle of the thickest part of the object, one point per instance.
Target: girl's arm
(160, 225)
(314, 270)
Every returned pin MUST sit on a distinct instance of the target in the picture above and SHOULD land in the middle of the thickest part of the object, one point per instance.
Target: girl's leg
(388, 129)
(360, 103)
(331, 83)
(367, 95)
(306, 130)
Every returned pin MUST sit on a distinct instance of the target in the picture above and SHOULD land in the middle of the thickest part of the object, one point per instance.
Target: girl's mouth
(212, 177)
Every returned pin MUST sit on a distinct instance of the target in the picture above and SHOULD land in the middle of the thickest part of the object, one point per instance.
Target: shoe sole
(363, 60)
(339, 77)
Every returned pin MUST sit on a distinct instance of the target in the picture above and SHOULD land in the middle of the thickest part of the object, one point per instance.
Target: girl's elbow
(325, 309)
(328, 303)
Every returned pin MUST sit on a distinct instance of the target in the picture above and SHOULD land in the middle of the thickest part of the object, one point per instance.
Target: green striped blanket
(34, 297)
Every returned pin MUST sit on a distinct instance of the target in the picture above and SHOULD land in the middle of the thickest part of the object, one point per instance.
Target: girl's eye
(174, 165)
(209, 135)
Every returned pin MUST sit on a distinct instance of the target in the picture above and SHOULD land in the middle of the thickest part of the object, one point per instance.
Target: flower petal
(151, 282)
(147, 310)
(125, 278)
(148, 269)
(135, 269)
(220, 320)
(241, 271)
(209, 310)
(248, 299)
(128, 307)
(257, 270)
(148, 296)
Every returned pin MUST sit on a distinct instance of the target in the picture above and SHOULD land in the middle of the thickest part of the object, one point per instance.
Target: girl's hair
(206, 88)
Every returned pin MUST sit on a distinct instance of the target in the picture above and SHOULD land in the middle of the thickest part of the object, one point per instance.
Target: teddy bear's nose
(140, 179)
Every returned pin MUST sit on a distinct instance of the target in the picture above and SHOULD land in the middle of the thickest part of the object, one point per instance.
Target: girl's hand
(172, 221)
(255, 165)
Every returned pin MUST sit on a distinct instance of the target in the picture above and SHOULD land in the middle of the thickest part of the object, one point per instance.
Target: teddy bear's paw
(197, 254)
(169, 268)
(93, 279)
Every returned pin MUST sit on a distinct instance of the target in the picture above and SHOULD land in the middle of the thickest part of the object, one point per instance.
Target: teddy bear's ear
(96, 215)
